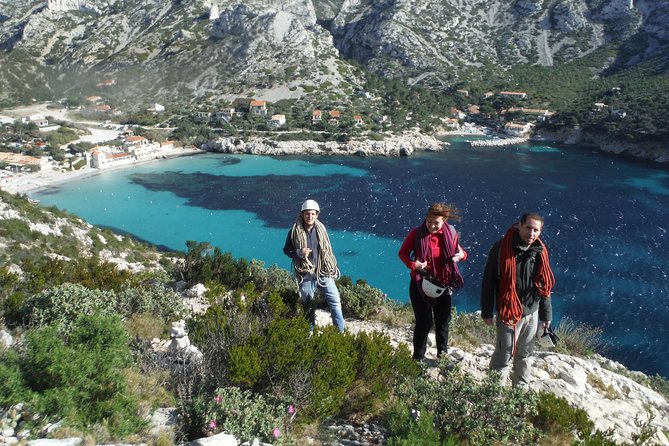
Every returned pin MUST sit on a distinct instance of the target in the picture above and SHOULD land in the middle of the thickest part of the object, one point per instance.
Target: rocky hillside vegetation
(103, 337)
(295, 47)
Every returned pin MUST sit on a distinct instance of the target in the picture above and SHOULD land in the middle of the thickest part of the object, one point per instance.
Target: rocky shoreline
(402, 145)
(650, 151)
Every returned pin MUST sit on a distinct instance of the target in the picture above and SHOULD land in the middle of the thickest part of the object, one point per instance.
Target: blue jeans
(331, 294)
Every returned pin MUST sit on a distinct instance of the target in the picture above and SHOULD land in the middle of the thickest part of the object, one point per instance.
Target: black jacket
(526, 268)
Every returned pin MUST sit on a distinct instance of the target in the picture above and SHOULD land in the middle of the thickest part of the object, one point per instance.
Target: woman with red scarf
(431, 252)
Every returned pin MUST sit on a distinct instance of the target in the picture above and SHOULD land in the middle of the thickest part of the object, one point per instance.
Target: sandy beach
(28, 183)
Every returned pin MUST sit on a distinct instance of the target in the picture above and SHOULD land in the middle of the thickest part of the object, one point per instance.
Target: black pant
(425, 314)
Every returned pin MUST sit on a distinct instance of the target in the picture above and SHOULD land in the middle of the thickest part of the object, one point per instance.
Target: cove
(605, 220)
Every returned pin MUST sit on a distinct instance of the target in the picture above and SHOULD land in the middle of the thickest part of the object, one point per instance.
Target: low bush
(62, 304)
(578, 339)
(483, 413)
(245, 415)
(409, 427)
(78, 378)
(359, 300)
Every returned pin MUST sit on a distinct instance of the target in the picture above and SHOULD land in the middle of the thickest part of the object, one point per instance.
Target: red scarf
(508, 303)
(451, 273)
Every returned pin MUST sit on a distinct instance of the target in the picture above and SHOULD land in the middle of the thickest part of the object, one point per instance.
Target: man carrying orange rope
(517, 281)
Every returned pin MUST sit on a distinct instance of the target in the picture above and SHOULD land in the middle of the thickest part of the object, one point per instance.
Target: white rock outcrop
(404, 145)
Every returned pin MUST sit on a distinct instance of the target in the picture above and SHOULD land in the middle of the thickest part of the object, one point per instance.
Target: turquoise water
(605, 220)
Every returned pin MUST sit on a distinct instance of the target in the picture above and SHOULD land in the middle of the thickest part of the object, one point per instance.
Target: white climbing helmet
(432, 287)
(310, 205)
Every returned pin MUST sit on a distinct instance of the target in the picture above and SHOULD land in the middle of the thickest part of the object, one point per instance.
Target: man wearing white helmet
(314, 263)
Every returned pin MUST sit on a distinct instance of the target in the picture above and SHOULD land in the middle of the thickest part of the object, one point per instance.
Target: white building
(277, 120)
(516, 129)
(38, 119)
(104, 157)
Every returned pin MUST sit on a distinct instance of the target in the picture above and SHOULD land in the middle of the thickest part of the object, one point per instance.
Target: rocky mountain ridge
(190, 50)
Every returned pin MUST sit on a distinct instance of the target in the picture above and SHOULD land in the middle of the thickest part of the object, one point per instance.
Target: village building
(451, 124)
(457, 113)
(258, 108)
(102, 108)
(358, 121)
(599, 106)
(140, 147)
(156, 108)
(540, 113)
(517, 129)
(168, 145)
(514, 94)
(38, 119)
(104, 157)
(316, 116)
(226, 114)
(18, 162)
(335, 117)
(277, 121)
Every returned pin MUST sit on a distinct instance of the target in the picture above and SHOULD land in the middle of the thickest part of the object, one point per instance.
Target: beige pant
(503, 359)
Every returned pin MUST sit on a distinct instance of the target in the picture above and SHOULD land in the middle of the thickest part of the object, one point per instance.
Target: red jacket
(407, 253)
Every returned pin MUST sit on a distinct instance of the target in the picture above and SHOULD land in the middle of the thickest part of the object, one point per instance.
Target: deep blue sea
(606, 220)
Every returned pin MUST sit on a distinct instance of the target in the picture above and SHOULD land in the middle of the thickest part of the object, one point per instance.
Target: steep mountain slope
(186, 50)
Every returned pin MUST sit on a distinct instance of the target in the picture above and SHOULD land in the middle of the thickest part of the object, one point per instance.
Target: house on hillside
(156, 108)
(451, 124)
(38, 119)
(18, 162)
(102, 108)
(226, 114)
(258, 108)
(357, 120)
(518, 129)
(103, 157)
(513, 94)
(335, 117)
(316, 117)
(277, 121)
(540, 113)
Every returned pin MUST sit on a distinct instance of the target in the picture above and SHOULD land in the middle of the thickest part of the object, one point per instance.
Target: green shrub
(411, 429)
(379, 364)
(578, 339)
(12, 386)
(483, 413)
(244, 415)
(62, 305)
(335, 360)
(78, 378)
(204, 264)
(360, 300)
(557, 418)
(467, 330)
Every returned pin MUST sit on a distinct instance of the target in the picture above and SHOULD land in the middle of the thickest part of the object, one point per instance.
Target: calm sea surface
(606, 221)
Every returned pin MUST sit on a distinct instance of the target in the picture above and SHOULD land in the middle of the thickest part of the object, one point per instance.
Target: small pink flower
(276, 432)
(212, 424)
(218, 399)
(291, 409)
